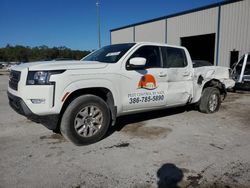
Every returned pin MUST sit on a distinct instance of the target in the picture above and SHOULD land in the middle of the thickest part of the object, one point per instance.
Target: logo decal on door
(147, 82)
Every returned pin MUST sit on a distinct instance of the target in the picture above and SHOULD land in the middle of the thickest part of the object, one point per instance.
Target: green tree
(21, 53)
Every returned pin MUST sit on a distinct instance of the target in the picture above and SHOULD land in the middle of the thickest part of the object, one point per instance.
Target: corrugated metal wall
(151, 32)
(196, 23)
(234, 30)
(123, 35)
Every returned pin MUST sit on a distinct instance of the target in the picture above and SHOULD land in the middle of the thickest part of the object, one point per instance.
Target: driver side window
(151, 54)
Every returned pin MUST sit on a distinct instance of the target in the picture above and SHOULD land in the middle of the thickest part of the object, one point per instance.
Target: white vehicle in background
(9, 67)
(241, 72)
(83, 98)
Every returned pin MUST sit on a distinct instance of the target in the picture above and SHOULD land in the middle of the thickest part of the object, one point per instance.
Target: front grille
(14, 79)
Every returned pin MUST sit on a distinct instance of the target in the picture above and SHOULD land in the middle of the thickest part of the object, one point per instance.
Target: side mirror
(137, 62)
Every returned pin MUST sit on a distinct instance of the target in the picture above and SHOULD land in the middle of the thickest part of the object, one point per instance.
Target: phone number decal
(135, 100)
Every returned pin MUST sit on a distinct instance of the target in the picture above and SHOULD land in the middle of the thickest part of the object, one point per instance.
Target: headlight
(41, 77)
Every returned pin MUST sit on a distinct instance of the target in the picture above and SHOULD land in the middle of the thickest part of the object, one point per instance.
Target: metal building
(219, 33)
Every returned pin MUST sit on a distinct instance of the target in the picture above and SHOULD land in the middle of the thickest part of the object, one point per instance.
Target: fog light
(38, 101)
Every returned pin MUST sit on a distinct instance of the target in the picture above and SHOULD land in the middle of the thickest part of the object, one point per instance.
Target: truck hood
(61, 65)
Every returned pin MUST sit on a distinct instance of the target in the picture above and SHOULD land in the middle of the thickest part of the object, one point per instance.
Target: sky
(73, 23)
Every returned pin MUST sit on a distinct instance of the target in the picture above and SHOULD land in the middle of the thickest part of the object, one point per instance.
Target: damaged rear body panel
(214, 75)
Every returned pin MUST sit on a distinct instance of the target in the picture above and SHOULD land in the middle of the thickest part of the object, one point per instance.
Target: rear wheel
(86, 120)
(210, 100)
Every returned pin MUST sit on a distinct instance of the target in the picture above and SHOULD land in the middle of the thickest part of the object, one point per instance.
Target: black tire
(68, 121)
(208, 94)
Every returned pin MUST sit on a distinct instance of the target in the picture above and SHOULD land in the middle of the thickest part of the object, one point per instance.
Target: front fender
(88, 84)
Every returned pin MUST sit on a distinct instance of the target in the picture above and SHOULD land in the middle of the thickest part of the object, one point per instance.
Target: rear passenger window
(174, 57)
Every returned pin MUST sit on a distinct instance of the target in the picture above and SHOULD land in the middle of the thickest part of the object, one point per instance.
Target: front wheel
(210, 100)
(86, 120)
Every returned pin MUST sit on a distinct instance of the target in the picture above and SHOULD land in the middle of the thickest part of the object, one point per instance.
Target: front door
(144, 88)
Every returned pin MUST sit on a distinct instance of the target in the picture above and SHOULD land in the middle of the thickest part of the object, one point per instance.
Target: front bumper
(17, 104)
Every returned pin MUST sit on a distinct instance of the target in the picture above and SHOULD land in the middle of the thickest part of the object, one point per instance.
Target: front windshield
(109, 54)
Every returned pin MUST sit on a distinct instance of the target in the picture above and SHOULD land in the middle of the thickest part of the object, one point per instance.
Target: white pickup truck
(83, 98)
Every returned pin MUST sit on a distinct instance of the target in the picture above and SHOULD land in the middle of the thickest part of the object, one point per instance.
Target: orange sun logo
(147, 82)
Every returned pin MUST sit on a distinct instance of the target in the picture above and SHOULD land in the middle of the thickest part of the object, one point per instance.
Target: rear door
(179, 76)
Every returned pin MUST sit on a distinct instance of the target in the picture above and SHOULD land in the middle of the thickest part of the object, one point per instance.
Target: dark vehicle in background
(201, 63)
(241, 73)
(1, 66)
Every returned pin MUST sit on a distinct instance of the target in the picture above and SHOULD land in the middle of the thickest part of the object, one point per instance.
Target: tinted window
(151, 54)
(173, 57)
(109, 54)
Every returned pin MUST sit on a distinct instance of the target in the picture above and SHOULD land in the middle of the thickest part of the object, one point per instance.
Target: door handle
(162, 74)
